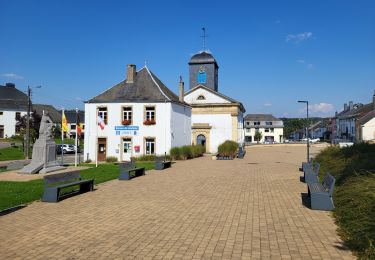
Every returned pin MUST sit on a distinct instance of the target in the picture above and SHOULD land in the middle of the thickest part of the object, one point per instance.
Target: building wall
(161, 131)
(221, 128)
(368, 131)
(180, 125)
(8, 120)
(346, 129)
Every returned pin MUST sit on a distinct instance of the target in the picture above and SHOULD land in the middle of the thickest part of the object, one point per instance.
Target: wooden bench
(321, 193)
(311, 173)
(161, 164)
(128, 170)
(55, 183)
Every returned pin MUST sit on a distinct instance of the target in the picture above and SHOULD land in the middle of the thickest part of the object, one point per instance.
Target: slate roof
(53, 113)
(261, 117)
(202, 57)
(12, 98)
(363, 120)
(146, 88)
(357, 110)
(71, 116)
(231, 100)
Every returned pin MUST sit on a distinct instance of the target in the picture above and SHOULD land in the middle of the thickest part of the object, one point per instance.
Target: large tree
(34, 126)
(258, 135)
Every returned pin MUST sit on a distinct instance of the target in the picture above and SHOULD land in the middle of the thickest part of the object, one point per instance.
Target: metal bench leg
(321, 202)
(51, 194)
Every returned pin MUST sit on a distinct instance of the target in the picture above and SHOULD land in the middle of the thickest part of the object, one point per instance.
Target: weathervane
(204, 36)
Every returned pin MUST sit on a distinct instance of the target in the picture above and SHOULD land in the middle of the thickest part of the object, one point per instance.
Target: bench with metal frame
(162, 163)
(311, 173)
(128, 170)
(321, 193)
(54, 184)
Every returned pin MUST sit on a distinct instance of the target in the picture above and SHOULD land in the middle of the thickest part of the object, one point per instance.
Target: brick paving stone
(198, 209)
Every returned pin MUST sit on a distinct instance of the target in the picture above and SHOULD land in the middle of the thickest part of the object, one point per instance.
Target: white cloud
(267, 104)
(11, 76)
(319, 109)
(310, 66)
(297, 38)
(301, 61)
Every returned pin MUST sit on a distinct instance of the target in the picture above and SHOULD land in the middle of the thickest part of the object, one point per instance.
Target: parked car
(65, 148)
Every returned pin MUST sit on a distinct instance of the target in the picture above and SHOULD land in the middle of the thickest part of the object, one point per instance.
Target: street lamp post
(28, 121)
(307, 131)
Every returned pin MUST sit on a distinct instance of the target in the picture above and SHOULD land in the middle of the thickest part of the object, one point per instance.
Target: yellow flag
(64, 124)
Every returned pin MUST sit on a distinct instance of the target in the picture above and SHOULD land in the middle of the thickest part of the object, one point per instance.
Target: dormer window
(201, 97)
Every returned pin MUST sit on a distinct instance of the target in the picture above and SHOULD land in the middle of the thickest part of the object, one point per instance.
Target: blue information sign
(126, 127)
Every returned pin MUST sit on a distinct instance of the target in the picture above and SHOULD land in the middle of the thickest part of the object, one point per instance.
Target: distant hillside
(293, 124)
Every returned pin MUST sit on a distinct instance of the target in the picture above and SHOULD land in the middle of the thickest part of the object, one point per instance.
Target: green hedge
(187, 152)
(354, 195)
(228, 148)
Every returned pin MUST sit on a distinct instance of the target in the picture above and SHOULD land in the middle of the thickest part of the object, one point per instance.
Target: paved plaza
(198, 209)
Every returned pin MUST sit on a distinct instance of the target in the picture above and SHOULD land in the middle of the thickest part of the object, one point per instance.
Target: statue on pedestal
(44, 150)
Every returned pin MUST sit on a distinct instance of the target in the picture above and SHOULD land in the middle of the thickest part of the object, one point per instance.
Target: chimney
(350, 105)
(373, 101)
(182, 91)
(345, 106)
(130, 73)
(336, 114)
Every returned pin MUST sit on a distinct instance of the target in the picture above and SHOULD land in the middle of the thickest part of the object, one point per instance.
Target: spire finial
(204, 36)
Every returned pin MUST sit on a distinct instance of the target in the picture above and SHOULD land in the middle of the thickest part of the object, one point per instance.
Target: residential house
(271, 128)
(346, 121)
(13, 105)
(138, 116)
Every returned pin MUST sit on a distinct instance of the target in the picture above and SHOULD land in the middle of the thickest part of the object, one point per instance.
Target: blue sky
(270, 53)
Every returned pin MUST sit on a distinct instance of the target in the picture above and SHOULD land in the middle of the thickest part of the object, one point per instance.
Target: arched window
(201, 97)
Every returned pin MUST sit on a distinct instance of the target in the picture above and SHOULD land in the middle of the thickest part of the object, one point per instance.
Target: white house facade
(13, 105)
(215, 117)
(141, 116)
(270, 127)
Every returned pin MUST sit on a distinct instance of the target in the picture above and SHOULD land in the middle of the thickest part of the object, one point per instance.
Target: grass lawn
(11, 153)
(16, 193)
(354, 194)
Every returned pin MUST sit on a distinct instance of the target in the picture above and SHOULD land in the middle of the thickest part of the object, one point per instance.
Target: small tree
(258, 135)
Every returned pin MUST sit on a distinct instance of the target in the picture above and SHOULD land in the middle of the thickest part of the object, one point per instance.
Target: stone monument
(44, 150)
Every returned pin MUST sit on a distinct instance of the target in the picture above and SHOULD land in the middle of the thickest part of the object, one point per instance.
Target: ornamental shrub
(228, 149)
(176, 153)
(186, 152)
(197, 150)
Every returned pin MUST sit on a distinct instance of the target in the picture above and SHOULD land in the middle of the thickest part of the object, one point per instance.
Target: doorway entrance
(102, 149)
(126, 149)
(201, 139)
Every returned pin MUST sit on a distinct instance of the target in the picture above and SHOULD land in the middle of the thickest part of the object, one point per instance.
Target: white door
(126, 149)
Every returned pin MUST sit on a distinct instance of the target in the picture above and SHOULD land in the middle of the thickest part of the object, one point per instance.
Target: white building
(317, 130)
(141, 115)
(13, 105)
(271, 128)
(215, 117)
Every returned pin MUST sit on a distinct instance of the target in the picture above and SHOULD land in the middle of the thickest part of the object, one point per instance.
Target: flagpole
(76, 152)
(62, 139)
(96, 137)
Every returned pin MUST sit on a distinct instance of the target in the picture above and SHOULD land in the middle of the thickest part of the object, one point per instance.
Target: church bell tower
(203, 70)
